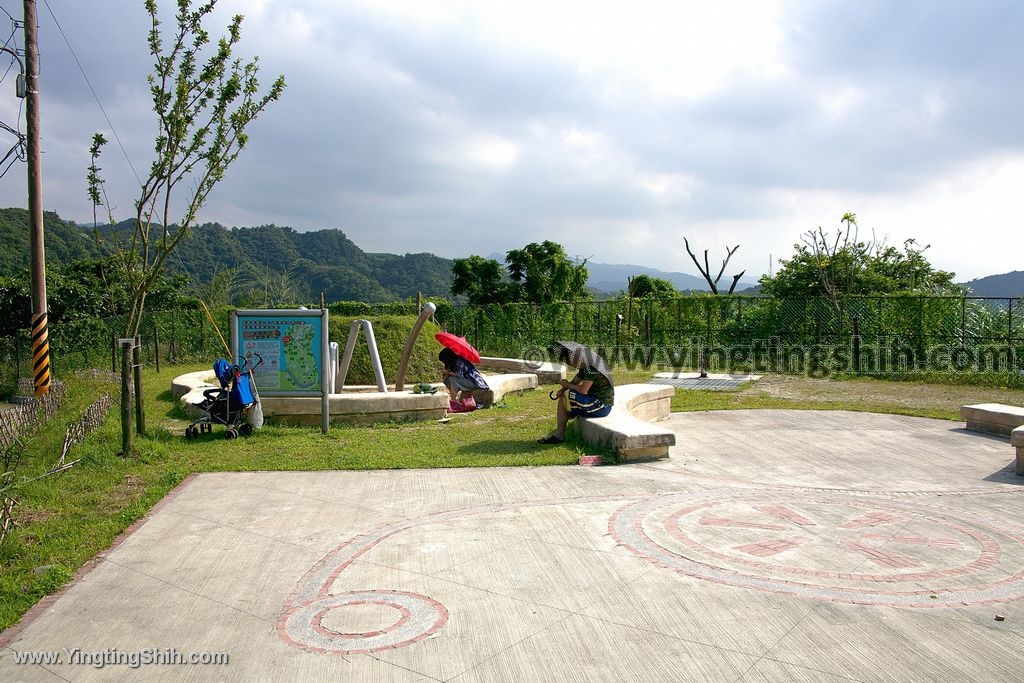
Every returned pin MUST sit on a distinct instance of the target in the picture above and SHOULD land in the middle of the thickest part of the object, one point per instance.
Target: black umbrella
(571, 352)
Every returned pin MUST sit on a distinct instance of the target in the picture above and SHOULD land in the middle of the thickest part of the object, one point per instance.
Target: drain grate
(709, 384)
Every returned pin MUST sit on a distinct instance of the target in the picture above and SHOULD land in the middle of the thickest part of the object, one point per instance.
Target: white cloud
(492, 151)
(838, 103)
(460, 126)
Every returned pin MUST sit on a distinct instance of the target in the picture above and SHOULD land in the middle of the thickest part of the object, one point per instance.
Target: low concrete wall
(363, 404)
(358, 405)
(362, 408)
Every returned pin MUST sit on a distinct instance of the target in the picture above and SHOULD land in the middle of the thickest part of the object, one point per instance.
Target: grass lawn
(65, 520)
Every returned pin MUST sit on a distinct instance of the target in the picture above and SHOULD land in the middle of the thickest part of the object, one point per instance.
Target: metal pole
(325, 356)
(126, 398)
(140, 411)
(40, 331)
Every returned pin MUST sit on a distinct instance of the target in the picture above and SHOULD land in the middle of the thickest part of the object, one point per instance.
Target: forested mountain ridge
(1005, 285)
(322, 260)
(311, 262)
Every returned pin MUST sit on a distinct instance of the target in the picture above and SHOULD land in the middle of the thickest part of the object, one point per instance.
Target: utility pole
(40, 333)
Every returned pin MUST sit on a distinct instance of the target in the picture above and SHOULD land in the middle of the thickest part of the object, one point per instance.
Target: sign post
(294, 347)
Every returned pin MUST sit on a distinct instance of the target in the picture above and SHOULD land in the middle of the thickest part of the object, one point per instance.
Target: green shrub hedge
(391, 332)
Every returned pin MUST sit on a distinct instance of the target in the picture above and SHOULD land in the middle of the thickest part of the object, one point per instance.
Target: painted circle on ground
(416, 618)
(833, 546)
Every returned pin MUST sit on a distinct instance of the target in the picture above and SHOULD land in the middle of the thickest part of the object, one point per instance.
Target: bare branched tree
(705, 270)
(838, 259)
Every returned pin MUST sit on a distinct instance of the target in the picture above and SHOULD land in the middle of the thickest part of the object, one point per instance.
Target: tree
(705, 270)
(264, 287)
(204, 100)
(644, 285)
(480, 280)
(537, 273)
(544, 273)
(842, 265)
(220, 290)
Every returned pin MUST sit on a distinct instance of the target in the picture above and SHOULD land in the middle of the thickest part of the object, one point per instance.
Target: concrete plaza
(771, 546)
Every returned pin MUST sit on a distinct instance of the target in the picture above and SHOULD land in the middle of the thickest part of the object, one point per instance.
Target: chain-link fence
(176, 336)
(739, 333)
(884, 334)
(166, 337)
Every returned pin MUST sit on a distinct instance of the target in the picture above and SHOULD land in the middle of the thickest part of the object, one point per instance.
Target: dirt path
(911, 394)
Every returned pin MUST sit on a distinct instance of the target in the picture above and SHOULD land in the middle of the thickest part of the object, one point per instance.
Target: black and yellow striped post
(40, 354)
(40, 336)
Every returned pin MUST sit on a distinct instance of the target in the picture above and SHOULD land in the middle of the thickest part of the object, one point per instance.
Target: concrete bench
(628, 428)
(500, 385)
(546, 373)
(1017, 441)
(994, 418)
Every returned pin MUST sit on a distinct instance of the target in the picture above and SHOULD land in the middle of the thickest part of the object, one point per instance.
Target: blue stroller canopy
(222, 369)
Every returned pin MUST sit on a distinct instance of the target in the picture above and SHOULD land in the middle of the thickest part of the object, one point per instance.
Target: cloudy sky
(614, 128)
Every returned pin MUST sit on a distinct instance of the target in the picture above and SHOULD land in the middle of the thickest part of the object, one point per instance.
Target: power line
(93, 91)
(17, 151)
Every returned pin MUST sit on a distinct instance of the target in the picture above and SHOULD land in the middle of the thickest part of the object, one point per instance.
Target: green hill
(64, 241)
(321, 260)
(1005, 285)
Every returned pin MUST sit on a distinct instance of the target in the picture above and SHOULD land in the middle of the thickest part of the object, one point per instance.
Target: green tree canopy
(537, 273)
(480, 280)
(844, 265)
(84, 289)
(644, 285)
(544, 273)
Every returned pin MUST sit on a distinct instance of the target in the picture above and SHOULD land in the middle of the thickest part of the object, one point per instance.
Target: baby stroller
(227, 405)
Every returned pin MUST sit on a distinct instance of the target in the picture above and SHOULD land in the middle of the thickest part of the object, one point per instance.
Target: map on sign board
(290, 347)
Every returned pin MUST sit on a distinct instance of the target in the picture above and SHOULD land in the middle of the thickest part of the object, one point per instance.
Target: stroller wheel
(190, 432)
(230, 434)
(245, 429)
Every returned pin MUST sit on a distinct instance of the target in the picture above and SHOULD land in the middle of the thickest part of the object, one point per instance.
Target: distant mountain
(1005, 285)
(321, 260)
(612, 278)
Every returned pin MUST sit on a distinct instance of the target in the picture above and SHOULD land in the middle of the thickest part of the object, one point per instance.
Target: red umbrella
(459, 346)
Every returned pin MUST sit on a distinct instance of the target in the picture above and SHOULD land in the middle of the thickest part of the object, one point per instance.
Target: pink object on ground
(463, 405)
(590, 459)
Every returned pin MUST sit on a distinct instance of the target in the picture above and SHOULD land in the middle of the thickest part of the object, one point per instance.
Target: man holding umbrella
(590, 393)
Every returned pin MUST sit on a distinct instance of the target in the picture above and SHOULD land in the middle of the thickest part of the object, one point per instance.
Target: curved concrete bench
(546, 373)
(500, 385)
(184, 384)
(189, 388)
(628, 428)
